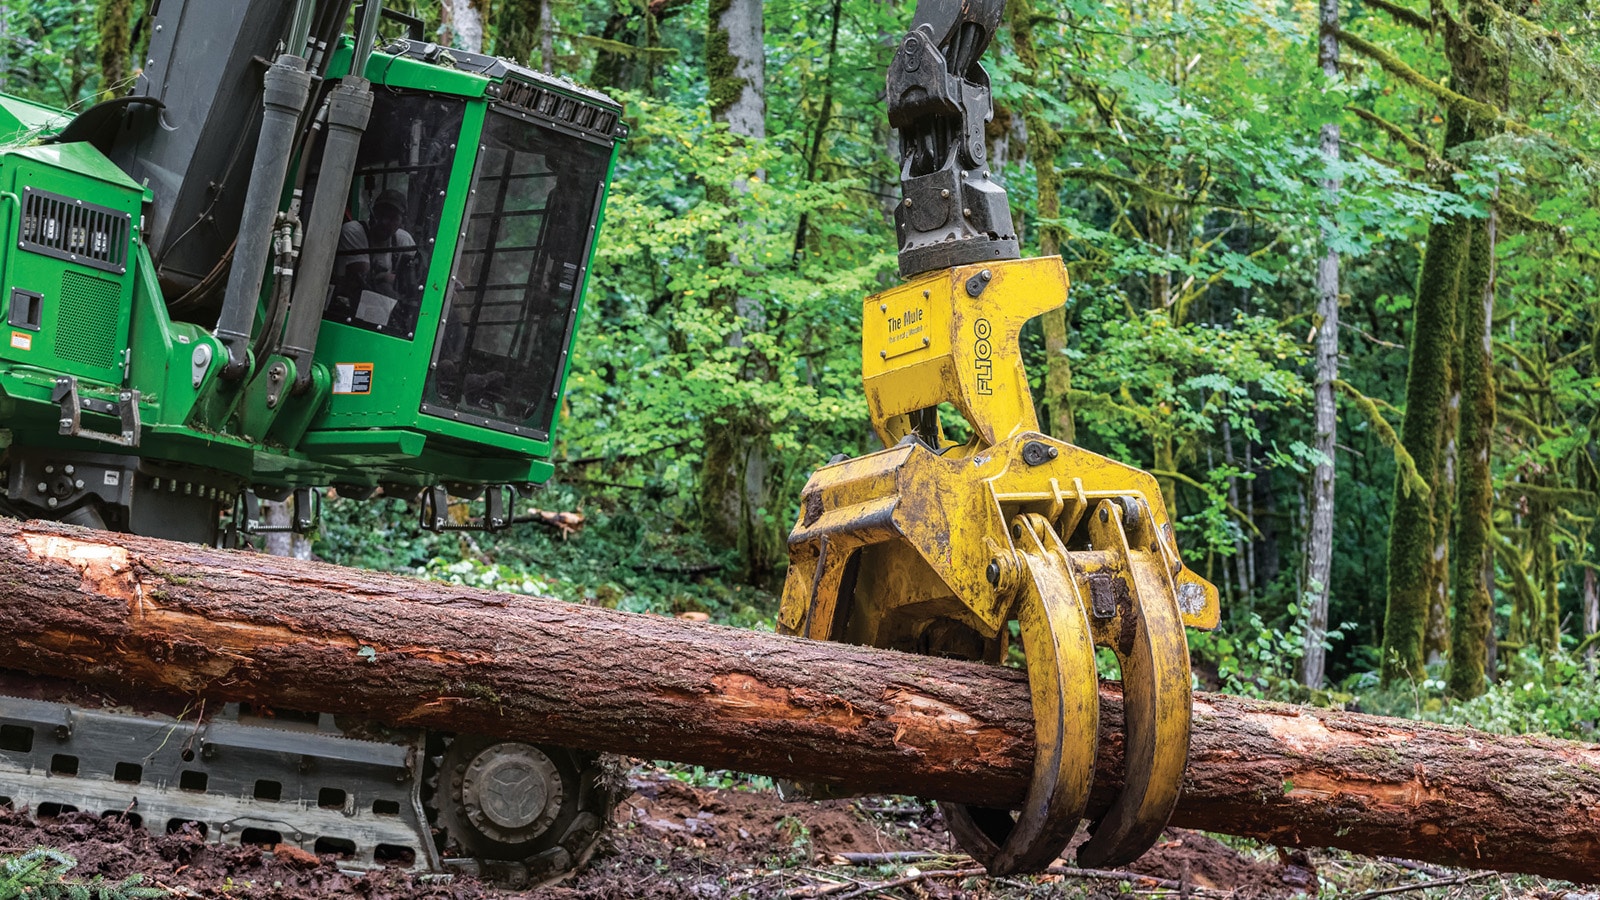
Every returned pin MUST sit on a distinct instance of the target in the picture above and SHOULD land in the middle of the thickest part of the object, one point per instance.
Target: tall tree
(1319, 555)
(1411, 521)
(733, 489)
(114, 22)
(1416, 577)
(1044, 142)
(1412, 524)
(1473, 576)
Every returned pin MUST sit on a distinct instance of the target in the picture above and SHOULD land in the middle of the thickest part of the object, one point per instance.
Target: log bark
(119, 610)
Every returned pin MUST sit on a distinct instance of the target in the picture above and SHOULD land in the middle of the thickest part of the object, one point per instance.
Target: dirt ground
(672, 839)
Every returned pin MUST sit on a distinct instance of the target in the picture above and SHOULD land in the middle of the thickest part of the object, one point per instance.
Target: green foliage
(1556, 694)
(660, 365)
(48, 50)
(42, 873)
(1254, 659)
(1144, 382)
(618, 559)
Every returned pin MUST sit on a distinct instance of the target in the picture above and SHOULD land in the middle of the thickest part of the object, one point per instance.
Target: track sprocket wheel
(531, 814)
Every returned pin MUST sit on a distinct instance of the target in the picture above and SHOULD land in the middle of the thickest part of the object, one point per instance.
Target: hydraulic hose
(285, 89)
(349, 109)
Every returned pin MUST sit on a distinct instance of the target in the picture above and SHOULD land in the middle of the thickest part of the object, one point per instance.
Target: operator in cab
(375, 272)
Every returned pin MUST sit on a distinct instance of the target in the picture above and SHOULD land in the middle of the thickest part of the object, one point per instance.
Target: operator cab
(467, 234)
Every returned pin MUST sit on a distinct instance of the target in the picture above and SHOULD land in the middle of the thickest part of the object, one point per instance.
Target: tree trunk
(1482, 70)
(114, 22)
(278, 514)
(1044, 142)
(736, 66)
(463, 24)
(1319, 555)
(547, 36)
(1591, 615)
(1474, 558)
(115, 610)
(1411, 523)
(1436, 637)
(733, 484)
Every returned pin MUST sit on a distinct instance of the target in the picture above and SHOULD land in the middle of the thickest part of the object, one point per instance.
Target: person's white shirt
(353, 240)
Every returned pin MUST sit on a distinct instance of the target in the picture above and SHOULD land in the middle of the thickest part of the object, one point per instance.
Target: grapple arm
(935, 547)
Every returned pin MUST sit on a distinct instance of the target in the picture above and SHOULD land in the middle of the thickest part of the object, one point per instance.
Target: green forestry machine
(281, 262)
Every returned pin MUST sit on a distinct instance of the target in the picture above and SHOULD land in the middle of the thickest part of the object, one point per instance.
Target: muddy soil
(672, 839)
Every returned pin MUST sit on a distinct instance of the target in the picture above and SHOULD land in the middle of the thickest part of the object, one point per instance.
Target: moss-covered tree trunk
(736, 66)
(518, 26)
(1473, 572)
(114, 23)
(1436, 637)
(1043, 144)
(1473, 577)
(1411, 523)
(1591, 613)
(733, 494)
(1543, 535)
(1483, 70)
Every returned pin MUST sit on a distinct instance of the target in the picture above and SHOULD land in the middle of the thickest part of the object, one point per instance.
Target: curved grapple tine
(1059, 647)
(1153, 652)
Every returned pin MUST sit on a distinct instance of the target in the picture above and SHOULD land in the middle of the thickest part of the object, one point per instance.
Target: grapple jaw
(933, 547)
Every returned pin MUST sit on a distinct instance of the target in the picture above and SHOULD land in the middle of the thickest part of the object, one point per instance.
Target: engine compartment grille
(67, 228)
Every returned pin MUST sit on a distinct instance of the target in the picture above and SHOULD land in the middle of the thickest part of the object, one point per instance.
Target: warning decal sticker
(21, 340)
(352, 378)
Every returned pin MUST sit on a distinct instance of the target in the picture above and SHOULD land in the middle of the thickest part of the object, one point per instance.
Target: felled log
(119, 610)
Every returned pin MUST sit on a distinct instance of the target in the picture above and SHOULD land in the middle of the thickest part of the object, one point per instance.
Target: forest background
(1333, 281)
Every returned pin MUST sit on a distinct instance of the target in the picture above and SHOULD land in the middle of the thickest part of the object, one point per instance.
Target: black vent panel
(67, 228)
(556, 107)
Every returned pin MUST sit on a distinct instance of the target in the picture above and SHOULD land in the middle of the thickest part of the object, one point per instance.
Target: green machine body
(427, 353)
